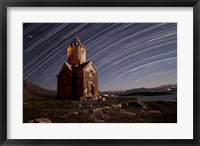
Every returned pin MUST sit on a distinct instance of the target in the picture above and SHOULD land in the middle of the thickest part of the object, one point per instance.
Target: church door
(92, 89)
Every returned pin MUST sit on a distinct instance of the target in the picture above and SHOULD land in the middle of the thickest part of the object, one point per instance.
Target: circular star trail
(127, 55)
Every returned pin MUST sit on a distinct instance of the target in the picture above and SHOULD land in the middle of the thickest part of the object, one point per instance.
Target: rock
(129, 113)
(91, 111)
(136, 104)
(95, 110)
(116, 105)
(64, 116)
(155, 111)
(90, 105)
(30, 121)
(124, 104)
(124, 112)
(101, 99)
(75, 113)
(42, 120)
(79, 105)
(145, 107)
(133, 104)
(85, 111)
(99, 121)
(106, 107)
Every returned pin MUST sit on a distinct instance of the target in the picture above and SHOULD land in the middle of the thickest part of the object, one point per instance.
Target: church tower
(78, 78)
(76, 53)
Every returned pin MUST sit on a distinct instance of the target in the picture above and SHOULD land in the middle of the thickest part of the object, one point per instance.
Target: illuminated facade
(78, 78)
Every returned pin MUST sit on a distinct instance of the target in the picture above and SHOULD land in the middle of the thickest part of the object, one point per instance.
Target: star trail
(127, 55)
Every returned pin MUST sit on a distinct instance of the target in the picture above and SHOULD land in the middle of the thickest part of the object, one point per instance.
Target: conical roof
(76, 42)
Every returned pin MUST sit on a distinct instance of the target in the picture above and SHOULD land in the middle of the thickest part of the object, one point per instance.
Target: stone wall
(64, 85)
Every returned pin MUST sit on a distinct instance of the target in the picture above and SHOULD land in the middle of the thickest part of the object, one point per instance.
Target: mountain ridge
(33, 90)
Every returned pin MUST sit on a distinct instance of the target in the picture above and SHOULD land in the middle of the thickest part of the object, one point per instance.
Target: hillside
(34, 92)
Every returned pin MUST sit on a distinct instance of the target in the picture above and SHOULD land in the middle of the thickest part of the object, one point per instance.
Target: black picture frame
(97, 3)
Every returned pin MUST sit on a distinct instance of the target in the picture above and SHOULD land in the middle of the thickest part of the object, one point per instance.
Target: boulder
(75, 113)
(42, 120)
(137, 104)
(145, 107)
(116, 105)
(30, 121)
(155, 111)
(90, 105)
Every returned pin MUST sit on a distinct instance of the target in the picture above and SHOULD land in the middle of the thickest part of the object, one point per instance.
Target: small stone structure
(78, 78)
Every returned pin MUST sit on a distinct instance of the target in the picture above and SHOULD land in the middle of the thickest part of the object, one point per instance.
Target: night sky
(127, 55)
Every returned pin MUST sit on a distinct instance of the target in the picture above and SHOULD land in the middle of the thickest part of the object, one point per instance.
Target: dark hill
(161, 90)
(33, 91)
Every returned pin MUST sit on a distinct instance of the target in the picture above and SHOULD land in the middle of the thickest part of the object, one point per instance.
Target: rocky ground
(112, 110)
(41, 106)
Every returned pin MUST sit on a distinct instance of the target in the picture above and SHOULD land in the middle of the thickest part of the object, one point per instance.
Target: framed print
(99, 72)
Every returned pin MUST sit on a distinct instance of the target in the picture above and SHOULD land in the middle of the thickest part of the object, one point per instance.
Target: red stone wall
(64, 85)
(88, 80)
(76, 58)
(79, 83)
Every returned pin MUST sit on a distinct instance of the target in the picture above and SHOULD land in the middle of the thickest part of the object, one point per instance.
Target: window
(90, 74)
(69, 51)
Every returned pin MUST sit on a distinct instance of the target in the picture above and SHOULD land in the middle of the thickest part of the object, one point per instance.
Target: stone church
(78, 78)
